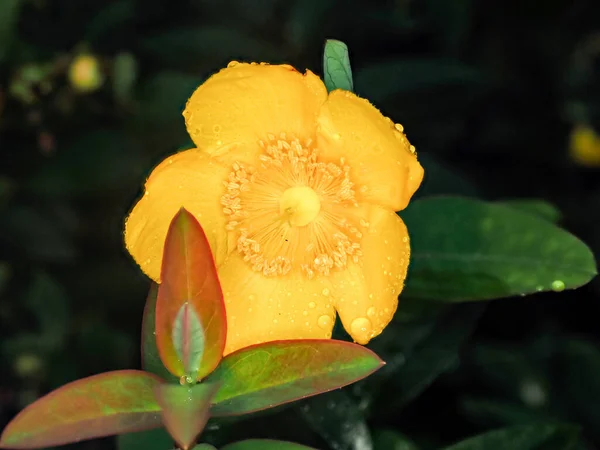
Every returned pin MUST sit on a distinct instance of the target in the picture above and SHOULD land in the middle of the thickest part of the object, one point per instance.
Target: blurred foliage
(489, 93)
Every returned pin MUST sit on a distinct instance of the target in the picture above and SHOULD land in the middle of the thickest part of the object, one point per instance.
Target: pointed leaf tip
(185, 409)
(190, 312)
(273, 373)
(102, 405)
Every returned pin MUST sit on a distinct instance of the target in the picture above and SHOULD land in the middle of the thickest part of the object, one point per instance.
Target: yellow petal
(261, 309)
(188, 179)
(366, 294)
(383, 164)
(244, 103)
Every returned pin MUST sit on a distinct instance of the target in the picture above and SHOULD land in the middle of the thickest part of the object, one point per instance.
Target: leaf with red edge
(265, 444)
(151, 361)
(102, 405)
(190, 306)
(185, 409)
(269, 374)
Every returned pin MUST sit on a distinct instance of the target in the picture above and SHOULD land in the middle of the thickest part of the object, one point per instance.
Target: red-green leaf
(101, 405)
(269, 374)
(189, 292)
(150, 358)
(265, 444)
(185, 410)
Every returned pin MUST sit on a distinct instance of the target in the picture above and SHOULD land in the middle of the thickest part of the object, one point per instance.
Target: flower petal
(366, 294)
(383, 167)
(243, 103)
(261, 309)
(188, 179)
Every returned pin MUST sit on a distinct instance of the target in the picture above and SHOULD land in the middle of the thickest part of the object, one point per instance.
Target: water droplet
(186, 379)
(558, 286)
(325, 292)
(399, 127)
(360, 329)
(371, 312)
(539, 288)
(232, 64)
(325, 322)
(251, 297)
(405, 239)
(219, 142)
(217, 129)
(311, 305)
(305, 313)
(249, 310)
(275, 321)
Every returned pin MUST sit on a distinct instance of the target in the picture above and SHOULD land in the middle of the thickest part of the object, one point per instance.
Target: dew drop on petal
(360, 329)
(325, 292)
(371, 312)
(324, 322)
(311, 305)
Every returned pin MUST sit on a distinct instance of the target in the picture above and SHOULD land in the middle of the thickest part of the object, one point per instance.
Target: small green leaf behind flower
(101, 405)
(270, 374)
(337, 73)
(190, 312)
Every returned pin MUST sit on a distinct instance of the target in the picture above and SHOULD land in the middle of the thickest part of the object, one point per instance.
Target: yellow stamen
(293, 212)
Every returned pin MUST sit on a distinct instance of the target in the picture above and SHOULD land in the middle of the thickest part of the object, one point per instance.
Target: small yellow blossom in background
(585, 146)
(85, 73)
(296, 190)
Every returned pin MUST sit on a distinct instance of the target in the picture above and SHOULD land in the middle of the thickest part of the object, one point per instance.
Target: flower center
(301, 204)
(292, 211)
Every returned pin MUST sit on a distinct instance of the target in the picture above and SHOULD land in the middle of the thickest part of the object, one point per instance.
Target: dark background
(488, 91)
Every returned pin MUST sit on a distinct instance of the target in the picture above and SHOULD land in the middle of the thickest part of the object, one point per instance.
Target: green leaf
(338, 420)
(9, 14)
(270, 374)
(151, 361)
(265, 444)
(190, 311)
(185, 409)
(47, 299)
(465, 249)
(577, 382)
(101, 405)
(337, 72)
(523, 437)
(203, 447)
(391, 440)
(125, 72)
(157, 439)
(188, 338)
(434, 351)
(536, 207)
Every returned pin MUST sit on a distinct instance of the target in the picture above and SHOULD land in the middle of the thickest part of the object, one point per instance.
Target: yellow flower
(585, 146)
(296, 190)
(85, 73)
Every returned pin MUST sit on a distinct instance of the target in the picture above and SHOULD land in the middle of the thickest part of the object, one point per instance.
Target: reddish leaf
(185, 409)
(265, 444)
(189, 277)
(269, 374)
(150, 358)
(101, 405)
